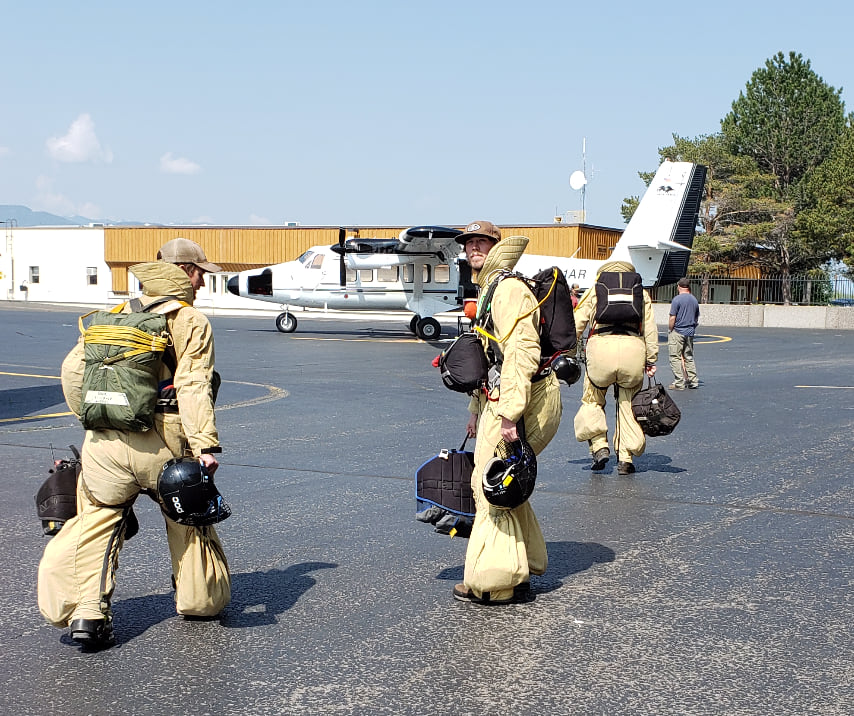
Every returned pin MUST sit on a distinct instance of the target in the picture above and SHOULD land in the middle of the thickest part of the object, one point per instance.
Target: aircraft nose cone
(233, 285)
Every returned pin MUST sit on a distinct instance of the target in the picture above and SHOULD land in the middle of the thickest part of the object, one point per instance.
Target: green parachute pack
(123, 353)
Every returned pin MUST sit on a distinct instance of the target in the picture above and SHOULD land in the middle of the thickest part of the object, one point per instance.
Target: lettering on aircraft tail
(576, 273)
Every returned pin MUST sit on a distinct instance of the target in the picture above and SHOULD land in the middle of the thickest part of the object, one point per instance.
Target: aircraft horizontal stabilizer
(660, 245)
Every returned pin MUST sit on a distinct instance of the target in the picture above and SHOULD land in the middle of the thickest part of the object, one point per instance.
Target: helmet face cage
(508, 479)
(188, 495)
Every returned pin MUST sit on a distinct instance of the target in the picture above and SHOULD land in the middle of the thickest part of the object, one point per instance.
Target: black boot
(600, 458)
(93, 634)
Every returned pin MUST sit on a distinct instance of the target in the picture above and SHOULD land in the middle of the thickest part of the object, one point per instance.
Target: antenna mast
(584, 169)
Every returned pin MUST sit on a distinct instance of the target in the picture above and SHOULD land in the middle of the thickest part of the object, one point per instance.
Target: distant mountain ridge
(24, 216)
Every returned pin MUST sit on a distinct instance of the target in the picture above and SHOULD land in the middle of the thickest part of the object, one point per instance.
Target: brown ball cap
(480, 228)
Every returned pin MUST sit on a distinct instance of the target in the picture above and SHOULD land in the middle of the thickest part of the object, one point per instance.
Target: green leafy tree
(827, 225)
(788, 120)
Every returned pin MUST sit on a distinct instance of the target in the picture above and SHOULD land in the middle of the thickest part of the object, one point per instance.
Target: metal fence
(805, 290)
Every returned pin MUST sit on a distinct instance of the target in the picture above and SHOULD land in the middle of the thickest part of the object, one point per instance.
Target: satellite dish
(577, 179)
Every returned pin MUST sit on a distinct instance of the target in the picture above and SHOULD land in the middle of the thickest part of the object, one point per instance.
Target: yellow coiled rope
(137, 341)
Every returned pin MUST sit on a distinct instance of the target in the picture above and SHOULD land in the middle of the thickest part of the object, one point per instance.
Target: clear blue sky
(385, 112)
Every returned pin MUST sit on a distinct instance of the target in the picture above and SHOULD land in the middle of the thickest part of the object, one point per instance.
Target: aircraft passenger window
(318, 261)
(211, 282)
(425, 274)
(408, 273)
(366, 275)
(351, 275)
(387, 273)
(442, 273)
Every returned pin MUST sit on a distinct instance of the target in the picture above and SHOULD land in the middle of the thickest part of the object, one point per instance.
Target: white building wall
(61, 255)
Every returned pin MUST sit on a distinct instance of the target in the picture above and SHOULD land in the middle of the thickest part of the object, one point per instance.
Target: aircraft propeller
(342, 267)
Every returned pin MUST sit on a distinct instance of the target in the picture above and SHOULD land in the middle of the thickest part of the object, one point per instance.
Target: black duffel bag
(655, 410)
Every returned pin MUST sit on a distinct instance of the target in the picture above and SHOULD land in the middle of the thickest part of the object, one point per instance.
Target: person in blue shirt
(684, 316)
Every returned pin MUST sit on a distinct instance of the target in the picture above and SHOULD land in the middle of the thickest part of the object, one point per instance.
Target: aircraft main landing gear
(413, 324)
(286, 322)
(428, 329)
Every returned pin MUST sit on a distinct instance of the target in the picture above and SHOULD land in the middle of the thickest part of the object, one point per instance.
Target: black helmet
(188, 495)
(566, 369)
(508, 479)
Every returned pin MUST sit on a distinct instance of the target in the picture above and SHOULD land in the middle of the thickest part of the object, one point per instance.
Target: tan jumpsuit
(613, 360)
(507, 546)
(77, 573)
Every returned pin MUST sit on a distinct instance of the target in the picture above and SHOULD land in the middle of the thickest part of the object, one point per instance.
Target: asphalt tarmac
(716, 580)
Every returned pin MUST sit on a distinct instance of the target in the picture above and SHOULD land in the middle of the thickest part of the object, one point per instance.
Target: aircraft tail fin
(675, 264)
(662, 227)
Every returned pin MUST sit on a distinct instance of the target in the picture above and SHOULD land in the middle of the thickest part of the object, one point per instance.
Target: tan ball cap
(184, 251)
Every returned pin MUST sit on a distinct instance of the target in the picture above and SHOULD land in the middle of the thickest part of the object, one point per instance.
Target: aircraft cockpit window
(387, 273)
(442, 273)
(317, 262)
(305, 258)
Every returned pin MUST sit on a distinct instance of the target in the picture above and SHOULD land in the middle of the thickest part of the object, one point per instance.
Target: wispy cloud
(178, 165)
(255, 220)
(57, 203)
(79, 144)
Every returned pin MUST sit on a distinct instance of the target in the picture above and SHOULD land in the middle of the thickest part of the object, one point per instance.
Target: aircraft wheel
(286, 322)
(413, 324)
(428, 329)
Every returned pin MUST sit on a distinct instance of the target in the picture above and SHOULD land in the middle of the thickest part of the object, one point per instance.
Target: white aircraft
(421, 271)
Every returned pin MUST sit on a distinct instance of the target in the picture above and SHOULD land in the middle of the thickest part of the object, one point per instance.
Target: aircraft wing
(429, 239)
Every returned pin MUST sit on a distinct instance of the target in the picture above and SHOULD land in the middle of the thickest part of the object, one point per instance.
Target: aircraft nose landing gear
(286, 322)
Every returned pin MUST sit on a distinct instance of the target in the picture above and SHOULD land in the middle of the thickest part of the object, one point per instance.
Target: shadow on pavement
(258, 597)
(16, 402)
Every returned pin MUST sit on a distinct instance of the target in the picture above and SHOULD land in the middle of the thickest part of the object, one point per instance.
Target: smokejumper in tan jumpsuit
(76, 575)
(613, 359)
(507, 546)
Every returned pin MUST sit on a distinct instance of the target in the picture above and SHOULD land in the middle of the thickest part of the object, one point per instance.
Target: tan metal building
(240, 248)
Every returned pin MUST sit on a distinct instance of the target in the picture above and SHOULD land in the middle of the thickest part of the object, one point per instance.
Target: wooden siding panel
(120, 279)
(239, 248)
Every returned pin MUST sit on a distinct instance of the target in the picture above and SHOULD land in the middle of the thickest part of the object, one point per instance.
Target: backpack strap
(484, 316)
(166, 304)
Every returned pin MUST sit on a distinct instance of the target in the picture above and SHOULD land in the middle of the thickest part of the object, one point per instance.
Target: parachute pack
(464, 364)
(619, 300)
(557, 321)
(123, 353)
